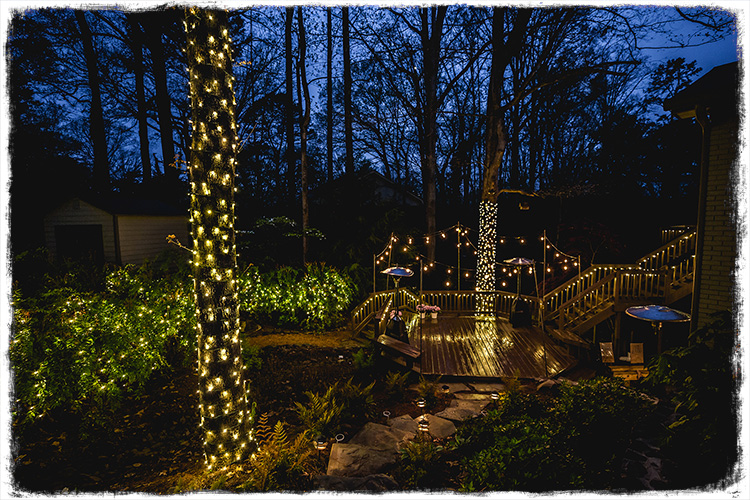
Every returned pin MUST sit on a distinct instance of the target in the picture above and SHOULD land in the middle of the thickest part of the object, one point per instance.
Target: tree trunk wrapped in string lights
(486, 256)
(225, 417)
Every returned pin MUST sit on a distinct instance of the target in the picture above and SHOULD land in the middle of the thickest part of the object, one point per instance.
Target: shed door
(80, 242)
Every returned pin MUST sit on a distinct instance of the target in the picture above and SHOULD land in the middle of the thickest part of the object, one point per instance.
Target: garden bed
(153, 442)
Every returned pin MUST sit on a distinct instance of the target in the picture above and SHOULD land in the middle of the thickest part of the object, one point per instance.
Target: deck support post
(616, 340)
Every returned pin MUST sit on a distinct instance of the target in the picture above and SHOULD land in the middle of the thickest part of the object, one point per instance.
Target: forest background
(98, 104)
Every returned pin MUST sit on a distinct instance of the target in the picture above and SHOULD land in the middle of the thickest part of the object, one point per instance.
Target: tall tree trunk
(495, 147)
(303, 124)
(496, 141)
(431, 34)
(225, 417)
(163, 101)
(329, 81)
(289, 105)
(348, 131)
(96, 118)
(140, 92)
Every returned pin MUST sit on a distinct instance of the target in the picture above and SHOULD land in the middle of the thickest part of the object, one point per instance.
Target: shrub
(702, 385)
(315, 299)
(363, 360)
(72, 348)
(573, 441)
(420, 463)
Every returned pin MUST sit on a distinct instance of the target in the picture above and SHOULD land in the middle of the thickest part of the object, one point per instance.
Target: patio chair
(608, 355)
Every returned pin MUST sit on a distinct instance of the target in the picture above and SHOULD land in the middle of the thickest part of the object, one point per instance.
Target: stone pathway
(358, 464)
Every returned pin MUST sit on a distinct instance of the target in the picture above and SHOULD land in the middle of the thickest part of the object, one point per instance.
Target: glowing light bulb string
(463, 241)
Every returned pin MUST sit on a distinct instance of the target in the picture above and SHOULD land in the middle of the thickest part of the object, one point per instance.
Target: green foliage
(358, 401)
(420, 464)
(395, 383)
(322, 414)
(251, 357)
(76, 349)
(363, 360)
(428, 389)
(702, 384)
(279, 463)
(315, 299)
(574, 441)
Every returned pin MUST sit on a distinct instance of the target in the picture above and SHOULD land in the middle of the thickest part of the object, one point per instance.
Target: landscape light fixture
(421, 402)
(320, 444)
(495, 396)
(423, 425)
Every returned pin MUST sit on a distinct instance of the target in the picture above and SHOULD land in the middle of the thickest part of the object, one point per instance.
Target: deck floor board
(492, 348)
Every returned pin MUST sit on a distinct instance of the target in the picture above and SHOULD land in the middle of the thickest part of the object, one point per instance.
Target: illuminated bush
(312, 300)
(82, 350)
(81, 346)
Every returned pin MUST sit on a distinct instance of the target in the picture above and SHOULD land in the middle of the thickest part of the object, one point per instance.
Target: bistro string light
(225, 418)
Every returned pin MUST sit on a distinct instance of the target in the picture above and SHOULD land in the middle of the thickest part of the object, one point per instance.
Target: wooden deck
(468, 346)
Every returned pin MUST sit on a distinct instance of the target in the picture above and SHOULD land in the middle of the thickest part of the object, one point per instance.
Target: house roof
(716, 91)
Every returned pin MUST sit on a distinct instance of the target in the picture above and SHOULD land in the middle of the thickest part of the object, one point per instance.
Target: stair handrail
(686, 236)
(609, 277)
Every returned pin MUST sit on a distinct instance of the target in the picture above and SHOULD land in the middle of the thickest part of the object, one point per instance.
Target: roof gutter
(701, 115)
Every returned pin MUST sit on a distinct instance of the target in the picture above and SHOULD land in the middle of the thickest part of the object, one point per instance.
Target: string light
(221, 385)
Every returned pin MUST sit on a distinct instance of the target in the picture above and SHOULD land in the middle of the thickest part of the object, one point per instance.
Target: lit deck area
(468, 346)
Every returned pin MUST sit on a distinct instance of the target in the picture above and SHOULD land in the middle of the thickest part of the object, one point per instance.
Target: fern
(263, 430)
(395, 382)
(322, 414)
(279, 465)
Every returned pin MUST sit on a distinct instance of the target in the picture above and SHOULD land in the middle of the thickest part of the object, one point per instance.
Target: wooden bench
(399, 349)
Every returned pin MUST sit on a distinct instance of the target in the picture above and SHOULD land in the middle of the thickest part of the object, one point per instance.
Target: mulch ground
(152, 443)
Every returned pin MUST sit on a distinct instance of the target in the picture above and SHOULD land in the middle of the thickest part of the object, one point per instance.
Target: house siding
(719, 262)
(144, 236)
(76, 212)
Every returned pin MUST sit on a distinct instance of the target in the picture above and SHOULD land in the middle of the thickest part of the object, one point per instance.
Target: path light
(320, 444)
(421, 403)
(423, 425)
(446, 389)
(495, 397)
(341, 358)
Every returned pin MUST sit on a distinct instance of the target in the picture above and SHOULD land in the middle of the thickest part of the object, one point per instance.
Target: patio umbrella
(519, 262)
(657, 315)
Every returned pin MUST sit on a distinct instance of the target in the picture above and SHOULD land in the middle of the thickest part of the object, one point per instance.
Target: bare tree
(303, 124)
(97, 130)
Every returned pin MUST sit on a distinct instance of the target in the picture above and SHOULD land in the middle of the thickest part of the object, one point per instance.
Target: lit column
(225, 418)
(486, 255)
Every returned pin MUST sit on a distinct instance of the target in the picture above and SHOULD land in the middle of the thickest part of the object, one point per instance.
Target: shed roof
(121, 205)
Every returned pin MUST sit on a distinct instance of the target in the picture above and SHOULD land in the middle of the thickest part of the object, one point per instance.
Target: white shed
(123, 231)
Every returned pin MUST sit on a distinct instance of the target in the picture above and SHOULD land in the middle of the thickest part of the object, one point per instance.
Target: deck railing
(669, 253)
(470, 302)
(673, 232)
(595, 289)
(580, 285)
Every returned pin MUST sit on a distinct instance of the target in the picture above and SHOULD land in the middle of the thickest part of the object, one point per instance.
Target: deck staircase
(664, 276)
